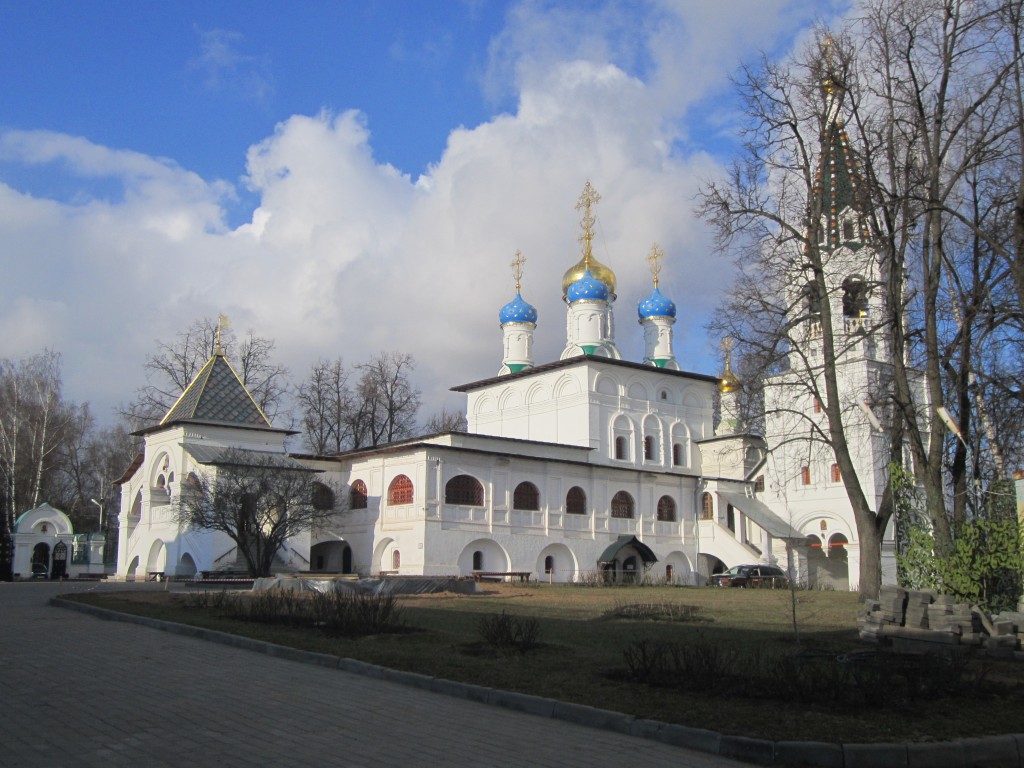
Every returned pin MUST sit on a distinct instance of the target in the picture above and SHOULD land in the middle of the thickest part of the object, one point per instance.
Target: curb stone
(875, 755)
(1006, 751)
(819, 754)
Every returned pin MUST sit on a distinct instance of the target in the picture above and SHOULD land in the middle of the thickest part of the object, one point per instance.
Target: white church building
(589, 466)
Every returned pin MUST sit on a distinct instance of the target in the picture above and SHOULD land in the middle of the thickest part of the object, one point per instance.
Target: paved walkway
(80, 691)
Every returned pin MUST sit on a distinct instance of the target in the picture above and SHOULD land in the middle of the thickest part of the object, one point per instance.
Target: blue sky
(353, 177)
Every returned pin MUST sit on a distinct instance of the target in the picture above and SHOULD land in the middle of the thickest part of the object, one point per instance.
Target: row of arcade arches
(466, 490)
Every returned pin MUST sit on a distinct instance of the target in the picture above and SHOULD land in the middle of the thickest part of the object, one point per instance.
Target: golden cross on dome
(727, 346)
(222, 324)
(517, 268)
(588, 198)
(654, 259)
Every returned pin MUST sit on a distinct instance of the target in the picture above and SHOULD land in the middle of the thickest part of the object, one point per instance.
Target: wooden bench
(522, 576)
(154, 575)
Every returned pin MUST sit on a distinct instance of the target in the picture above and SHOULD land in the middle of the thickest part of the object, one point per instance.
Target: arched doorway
(186, 566)
(330, 557)
(41, 556)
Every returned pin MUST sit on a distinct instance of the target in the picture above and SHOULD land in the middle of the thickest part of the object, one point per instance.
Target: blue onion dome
(587, 287)
(656, 305)
(517, 311)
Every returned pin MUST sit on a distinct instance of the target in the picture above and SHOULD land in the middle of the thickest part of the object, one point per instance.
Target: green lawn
(581, 658)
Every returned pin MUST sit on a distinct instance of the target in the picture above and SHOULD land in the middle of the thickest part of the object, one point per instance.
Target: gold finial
(588, 198)
(654, 260)
(831, 75)
(517, 268)
(222, 324)
(730, 382)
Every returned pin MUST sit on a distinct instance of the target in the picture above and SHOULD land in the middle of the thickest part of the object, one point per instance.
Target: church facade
(589, 466)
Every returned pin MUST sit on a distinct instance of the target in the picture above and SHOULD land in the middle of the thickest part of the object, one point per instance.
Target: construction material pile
(922, 620)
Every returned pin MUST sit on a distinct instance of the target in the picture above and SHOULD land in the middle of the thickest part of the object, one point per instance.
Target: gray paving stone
(129, 694)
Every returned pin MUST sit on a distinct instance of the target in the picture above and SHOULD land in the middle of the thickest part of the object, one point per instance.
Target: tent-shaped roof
(216, 394)
(645, 552)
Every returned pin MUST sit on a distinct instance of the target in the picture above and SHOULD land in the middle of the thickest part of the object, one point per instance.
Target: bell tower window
(855, 297)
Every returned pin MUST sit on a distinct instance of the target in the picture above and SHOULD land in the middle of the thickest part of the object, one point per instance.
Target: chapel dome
(587, 287)
(729, 382)
(656, 305)
(517, 311)
(597, 270)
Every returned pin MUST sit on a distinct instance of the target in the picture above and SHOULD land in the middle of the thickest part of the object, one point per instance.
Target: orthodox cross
(727, 347)
(589, 197)
(654, 260)
(517, 268)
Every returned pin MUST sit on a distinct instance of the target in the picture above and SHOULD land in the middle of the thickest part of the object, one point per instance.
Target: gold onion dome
(597, 270)
(729, 382)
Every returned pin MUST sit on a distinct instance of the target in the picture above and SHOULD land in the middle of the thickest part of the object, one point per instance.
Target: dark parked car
(769, 576)
(40, 571)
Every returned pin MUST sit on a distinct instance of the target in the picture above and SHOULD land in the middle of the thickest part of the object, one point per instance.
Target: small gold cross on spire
(588, 198)
(654, 260)
(222, 324)
(517, 268)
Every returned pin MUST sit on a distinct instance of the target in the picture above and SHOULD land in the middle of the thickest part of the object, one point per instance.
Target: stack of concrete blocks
(885, 612)
(1008, 634)
(916, 614)
(923, 621)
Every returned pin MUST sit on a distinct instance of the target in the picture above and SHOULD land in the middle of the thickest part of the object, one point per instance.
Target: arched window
(648, 448)
(400, 491)
(836, 475)
(549, 564)
(805, 475)
(855, 297)
(622, 505)
(357, 495)
(526, 496)
(707, 507)
(621, 448)
(666, 509)
(478, 560)
(396, 560)
(730, 518)
(847, 230)
(759, 484)
(576, 501)
(677, 455)
(323, 496)
(465, 490)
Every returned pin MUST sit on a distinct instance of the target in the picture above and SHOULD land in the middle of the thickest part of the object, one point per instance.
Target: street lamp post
(100, 505)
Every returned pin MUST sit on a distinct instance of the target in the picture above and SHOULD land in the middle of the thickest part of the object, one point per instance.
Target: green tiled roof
(839, 184)
(217, 394)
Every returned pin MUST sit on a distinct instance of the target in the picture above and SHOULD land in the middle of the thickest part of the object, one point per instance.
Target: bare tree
(387, 401)
(447, 421)
(259, 501)
(174, 365)
(324, 400)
